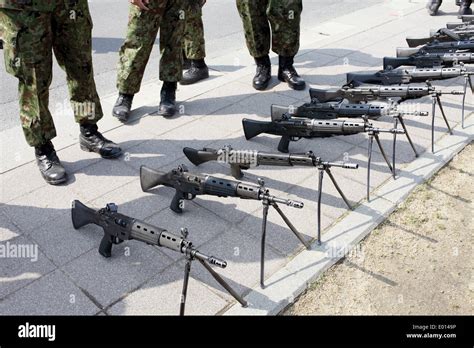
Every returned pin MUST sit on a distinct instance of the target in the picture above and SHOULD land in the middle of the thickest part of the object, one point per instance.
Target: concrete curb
(292, 280)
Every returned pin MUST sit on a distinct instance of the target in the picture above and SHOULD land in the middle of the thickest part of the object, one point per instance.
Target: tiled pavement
(70, 277)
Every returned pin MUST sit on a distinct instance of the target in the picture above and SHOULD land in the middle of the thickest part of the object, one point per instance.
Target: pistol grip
(176, 202)
(105, 248)
(284, 144)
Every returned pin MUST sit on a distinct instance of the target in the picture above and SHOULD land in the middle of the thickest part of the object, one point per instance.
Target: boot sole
(120, 118)
(193, 81)
(86, 149)
(55, 182)
(296, 88)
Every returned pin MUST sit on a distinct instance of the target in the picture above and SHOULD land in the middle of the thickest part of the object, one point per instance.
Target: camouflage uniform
(283, 16)
(169, 17)
(31, 29)
(194, 44)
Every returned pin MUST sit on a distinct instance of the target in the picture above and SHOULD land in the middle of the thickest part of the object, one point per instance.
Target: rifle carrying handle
(105, 248)
(284, 144)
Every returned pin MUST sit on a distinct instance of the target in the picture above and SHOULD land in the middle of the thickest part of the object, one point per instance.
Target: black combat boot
(92, 140)
(123, 106)
(49, 165)
(287, 73)
(167, 106)
(197, 72)
(465, 8)
(264, 73)
(433, 6)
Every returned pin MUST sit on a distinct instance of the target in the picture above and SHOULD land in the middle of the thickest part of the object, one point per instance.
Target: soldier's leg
(171, 44)
(135, 51)
(134, 55)
(72, 43)
(194, 45)
(433, 6)
(28, 56)
(256, 26)
(285, 19)
(465, 8)
(257, 36)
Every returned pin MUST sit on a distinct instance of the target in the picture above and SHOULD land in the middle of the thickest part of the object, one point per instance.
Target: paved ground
(70, 277)
(223, 35)
(418, 262)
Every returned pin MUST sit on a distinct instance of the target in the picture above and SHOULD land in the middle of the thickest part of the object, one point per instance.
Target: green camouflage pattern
(194, 44)
(29, 39)
(29, 5)
(271, 21)
(169, 17)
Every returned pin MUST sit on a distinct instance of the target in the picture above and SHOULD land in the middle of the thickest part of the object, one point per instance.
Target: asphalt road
(223, 30)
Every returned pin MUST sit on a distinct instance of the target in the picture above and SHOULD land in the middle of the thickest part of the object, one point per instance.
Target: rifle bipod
(396, 120)
(436, 99)
(214, 274)
(266, 205)
(467, 81)
(326, 168)
(375, 135)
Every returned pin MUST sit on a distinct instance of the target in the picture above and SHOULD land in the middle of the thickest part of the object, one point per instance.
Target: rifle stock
(406, 52)
(81, 215)
(198, 157)
(150, 178)
(323, 96)
(253, 128)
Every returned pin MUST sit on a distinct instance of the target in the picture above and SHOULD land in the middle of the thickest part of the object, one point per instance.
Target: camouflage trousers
(194, 45)
(29, 39)
(271, 21)
(169, 17)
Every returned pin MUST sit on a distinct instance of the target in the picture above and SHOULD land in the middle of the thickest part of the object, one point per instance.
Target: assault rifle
(442, 35)
(438, 47)
(368, 93)
(293, 129)
(189, 185)
(405, 76)
(119, 228)
(429, 60)
(331, 110)
(241, 160)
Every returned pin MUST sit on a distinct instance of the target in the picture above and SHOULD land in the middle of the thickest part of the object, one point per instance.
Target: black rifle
(189, 185)
(241, 160)
(293, 129)
(429, 60)
(467, 18)
(119, 228)
(441, 35)
(439, 47)
(334, 109)
(459, 25)
(368, 93)
(405, 76)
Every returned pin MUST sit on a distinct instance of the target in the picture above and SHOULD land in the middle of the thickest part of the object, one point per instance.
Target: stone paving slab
(53, 294)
